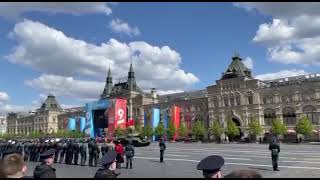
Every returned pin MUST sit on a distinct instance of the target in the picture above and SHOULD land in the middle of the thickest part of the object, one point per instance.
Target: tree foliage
(198, 130)
(304, 126)
(278, 128)
(119, 131)
(171, 130)
(232, 129)
(216, 129)
(160, 130)
(255, 127)
(182, 131)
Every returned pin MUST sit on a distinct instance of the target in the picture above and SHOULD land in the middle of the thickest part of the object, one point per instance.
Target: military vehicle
(136, 140)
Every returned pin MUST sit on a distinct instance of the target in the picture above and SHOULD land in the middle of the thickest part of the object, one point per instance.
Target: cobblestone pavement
(181, 160)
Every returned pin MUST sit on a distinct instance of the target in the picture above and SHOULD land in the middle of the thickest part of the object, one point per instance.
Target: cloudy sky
(66, 48)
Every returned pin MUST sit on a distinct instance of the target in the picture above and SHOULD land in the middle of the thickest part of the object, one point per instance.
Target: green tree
(304, 126)
(182, 131)
(255, 127)
(171, 130)
(216, 130)
(138, 127)
(160, 130)
(198, 130)
(232, 129)
(119, 131)
(278, 128)
(147, 131)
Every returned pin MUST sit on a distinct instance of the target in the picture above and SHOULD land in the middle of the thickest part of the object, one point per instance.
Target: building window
(310, 112)
(289, 116)
(215, 103)
(264, 100)
(232, 101)
(226, 102)
(250, 99)
(269, 116)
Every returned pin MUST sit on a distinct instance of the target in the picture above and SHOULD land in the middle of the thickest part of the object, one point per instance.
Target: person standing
(76, 150)
(96, 152)
(63, 151)
(120, 152)
(274, 147)
(90, 148)
(163, 147)
(57, 147)
(129, 152)
(44, 170)
(83, 153)
(108, 162)
(103, 148)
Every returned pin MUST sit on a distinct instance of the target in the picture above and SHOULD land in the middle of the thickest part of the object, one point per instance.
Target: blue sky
(65, 49)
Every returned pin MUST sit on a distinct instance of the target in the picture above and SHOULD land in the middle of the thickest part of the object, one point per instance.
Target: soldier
(109, 166)
(63, 151)
(96, 152)
(211, 166)
(83, 153)
(76, 151)
(90, 148)
(26, 151)
(103, 148)
(57, 148)
(129, 152)
(19, 148)
(275, 150)
(70, 152)
(163, 147)
(44, 170)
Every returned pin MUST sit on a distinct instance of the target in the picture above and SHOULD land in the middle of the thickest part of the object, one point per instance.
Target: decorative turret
(50, 104)
(236, 69)
(108, 87)
(132, 85)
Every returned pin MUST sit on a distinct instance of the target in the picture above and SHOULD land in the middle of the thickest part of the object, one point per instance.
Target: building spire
(131, 68)
(109, 72)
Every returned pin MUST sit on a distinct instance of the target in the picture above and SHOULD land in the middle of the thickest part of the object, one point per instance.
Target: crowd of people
(15, 154)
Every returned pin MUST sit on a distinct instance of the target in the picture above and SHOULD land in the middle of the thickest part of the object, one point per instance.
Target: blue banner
(72, 124)
(82, 124)
(155, 119)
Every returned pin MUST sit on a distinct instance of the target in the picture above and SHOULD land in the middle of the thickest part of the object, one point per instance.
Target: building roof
(236, 69)
(197, 94)
(50, 104)
(293, 80)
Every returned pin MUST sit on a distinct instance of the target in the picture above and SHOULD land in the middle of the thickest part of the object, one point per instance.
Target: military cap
(47, 154)
(108, 158)
(9, 151)
(211, 164)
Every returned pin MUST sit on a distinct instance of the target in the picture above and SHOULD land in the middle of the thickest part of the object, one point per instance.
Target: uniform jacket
(105, 173)
(44, 171)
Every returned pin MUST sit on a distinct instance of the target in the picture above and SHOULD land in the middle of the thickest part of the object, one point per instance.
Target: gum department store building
(235, 96)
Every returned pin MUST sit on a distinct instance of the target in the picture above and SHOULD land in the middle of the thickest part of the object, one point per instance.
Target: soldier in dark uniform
(56, 154)
(63, 151)
(70, 152)
(103, 149)
(67, 155)
(108, 162)
(40, 151)
(274, 147)
(19, 148)
(211, 166)
(44, 170)
(96, 153)
(83, 153)
(163, 147)
(129, 152)
(26, 151)
(76, 151)
(90, 148)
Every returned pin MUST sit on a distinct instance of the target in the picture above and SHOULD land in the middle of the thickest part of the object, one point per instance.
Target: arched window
(289, 116)
(269, 116)
(250, 98)
(310, 112)
(226, 101)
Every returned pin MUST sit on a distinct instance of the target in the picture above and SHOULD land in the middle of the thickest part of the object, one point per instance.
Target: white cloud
(15, 9)
(4, 97)
(248, 62)
(66, 86)
(117, 25)
(275, 32)
(293, 36)
(281, 74)
(50, 51)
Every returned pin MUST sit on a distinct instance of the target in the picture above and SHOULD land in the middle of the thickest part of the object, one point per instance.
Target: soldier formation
(67, 151)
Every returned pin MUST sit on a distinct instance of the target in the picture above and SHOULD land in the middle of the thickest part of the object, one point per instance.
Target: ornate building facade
(239, 97)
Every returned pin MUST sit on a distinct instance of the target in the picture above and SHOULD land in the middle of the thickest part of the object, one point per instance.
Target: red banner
(121, 113)
(111, 119)
(175, 117)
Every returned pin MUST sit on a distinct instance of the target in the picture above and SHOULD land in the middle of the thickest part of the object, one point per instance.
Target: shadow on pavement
(263, 169)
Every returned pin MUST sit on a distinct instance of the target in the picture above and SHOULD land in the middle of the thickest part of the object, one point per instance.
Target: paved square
(181, 160)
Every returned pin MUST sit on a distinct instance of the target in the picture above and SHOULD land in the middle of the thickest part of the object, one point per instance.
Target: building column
(130, 108)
